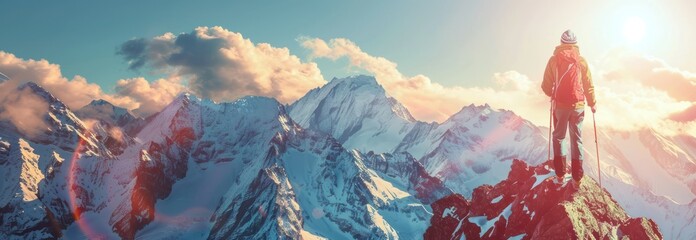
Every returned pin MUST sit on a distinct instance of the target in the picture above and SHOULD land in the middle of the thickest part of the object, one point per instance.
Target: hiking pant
(568, 119)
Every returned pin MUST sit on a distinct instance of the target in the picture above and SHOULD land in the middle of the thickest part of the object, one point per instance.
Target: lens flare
(73, 188)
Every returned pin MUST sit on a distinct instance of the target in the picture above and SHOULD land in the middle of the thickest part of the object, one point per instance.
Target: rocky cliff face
(528, 205)
(408, 170)
(312, 181)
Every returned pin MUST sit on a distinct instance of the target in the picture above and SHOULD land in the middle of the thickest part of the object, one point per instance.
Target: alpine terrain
(346, 161)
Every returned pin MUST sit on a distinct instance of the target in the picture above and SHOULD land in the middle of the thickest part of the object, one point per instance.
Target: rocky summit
(530, 204)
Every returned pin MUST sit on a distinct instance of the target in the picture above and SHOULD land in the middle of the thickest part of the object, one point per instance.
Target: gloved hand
(594, 109)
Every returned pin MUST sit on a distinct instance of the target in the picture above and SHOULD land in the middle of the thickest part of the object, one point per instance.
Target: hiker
(568, 82)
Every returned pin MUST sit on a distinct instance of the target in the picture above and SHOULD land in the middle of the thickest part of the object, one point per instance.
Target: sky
(435, 57)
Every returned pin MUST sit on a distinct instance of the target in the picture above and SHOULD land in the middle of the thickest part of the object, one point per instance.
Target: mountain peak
(358, 84)
(474, 107)
(529, 205)
(359, 80)
(472, 110)
(43, 93)
(102, 110)
(101, 103)
(3, 77)
(98, 102)
(32, 85)
(184, 97)
(352, 109)
(257, 101)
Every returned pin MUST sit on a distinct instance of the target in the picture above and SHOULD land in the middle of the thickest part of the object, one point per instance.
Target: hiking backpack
(568, 88)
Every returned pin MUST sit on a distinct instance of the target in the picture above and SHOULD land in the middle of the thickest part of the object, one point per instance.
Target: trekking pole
(550, 126)
(599, 170)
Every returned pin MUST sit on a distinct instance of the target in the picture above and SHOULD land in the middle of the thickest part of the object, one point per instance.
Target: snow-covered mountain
(357, 112)
(111, 116)
(40, 192)
(105, 111)
(649, 174)
(200, 169)
(473, 147)
(344, 162)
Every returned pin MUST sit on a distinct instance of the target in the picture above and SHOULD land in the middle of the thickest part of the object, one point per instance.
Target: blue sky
(452, 42)
(82, 36)
(467, 44)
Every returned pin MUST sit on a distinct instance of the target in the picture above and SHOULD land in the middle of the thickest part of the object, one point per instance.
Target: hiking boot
(577, 169)
(559, 163)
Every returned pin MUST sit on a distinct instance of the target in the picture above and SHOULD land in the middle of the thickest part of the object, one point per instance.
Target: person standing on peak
(567, 80)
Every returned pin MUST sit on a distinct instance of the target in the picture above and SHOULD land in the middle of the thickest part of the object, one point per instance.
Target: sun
(634, 30)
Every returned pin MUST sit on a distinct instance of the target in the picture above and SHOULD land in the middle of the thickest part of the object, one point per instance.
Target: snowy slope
(650, 175)
(476, 146)
(332, 193)
(473, 147)
(21, 209)
(115, 120)
(403, 168)
(105, 111)
(39, 195)
(195, 170)
(153, 180)
(200, 169)
(356, 111)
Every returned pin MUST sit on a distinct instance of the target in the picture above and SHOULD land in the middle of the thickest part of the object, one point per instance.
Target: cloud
(630, 105)
(223, 65)
(432, 101)
(640, 90)
(137, 94)
(75, 92)
(23, 109)
(151, 97)
(688, 115)
(513, 80)
(633, 91)
(133, 51)
(625, 65)
(209, 62)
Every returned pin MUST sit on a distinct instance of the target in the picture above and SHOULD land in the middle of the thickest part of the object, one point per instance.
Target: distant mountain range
(346, 161)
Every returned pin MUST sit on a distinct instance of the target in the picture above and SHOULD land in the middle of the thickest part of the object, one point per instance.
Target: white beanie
(568, 37)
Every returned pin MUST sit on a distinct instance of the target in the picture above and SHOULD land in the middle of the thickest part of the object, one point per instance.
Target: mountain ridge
(476, 146)
(228, 146)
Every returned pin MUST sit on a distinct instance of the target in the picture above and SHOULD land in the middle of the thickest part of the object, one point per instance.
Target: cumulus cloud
(209, 62)
(137, 94)
(632, 90)
(23, 109)
(688, 115)
(513, 80)
(75, 92)
(150, 97)
(431, 101)
(640, 90)
(625, 65)
(223, 65)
